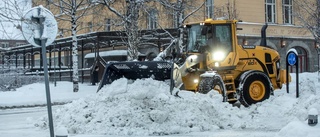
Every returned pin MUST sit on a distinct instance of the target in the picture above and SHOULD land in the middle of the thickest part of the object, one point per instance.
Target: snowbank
(145, 107)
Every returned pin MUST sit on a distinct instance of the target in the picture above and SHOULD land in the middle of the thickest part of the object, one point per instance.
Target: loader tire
(256, 88)
(206, 84)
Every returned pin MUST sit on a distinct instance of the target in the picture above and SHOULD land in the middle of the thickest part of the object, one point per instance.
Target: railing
(64, 74)
(58, 73)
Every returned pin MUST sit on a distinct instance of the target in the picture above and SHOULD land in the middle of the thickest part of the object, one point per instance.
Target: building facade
(284, 30)
(6, 44)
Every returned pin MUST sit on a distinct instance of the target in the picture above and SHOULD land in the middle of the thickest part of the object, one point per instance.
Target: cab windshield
(213, 37)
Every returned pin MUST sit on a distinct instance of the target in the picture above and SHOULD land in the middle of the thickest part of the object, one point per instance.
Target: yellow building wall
(250, 11)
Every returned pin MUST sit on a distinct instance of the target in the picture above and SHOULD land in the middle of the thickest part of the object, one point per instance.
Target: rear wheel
(256, 88)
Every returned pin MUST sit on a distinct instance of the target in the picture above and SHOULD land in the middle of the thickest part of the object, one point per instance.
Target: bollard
(312, 117)
(62, 132)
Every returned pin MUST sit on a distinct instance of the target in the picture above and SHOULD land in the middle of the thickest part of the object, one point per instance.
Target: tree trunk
(132, 29)
(75, 76)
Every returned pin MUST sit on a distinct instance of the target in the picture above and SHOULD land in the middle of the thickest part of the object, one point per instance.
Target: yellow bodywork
(239, 60)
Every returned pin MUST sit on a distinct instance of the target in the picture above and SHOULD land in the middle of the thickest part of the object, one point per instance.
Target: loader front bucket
(158, 70)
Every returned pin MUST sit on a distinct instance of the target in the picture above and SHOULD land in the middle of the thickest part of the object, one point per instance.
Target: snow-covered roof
(108, 53)
(2, 49)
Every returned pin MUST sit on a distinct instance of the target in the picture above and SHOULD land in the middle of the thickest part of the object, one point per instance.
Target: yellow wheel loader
(213, 59)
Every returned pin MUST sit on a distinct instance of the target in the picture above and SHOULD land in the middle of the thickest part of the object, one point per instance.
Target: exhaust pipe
(263, 41)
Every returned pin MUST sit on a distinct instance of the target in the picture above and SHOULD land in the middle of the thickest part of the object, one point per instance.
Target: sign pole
(41, 30)
(46, 79)
(287, 75)
(297, 77)
(293, 60)
(54, 62)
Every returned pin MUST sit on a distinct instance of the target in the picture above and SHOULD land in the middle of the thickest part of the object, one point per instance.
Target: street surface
(19, 123)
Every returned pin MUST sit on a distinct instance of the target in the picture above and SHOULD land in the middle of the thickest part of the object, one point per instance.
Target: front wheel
(206, 84)
(256, 88)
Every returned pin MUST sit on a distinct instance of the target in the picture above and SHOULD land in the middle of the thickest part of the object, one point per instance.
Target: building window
(209, 8)
(152, 19)
(270, 11)
(90, 27)
(287, 11)
(5, 44)
(107, 25)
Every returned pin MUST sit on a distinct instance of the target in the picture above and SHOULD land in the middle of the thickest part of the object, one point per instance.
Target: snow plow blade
(158, 70)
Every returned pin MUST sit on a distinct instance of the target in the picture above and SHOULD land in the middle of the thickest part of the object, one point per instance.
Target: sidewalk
(35, 94)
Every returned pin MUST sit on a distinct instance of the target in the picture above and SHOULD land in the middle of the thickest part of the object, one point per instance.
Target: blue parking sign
(292, 59)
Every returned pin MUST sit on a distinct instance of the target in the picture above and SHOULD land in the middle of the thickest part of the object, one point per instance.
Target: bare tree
(11, 16)
(130, 21)
(226, 10)
(308, 13)
(231, 9)
(72, 11)
(182, 10)
(134, 11)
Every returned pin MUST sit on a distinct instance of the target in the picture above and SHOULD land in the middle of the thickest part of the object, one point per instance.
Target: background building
(285, 30)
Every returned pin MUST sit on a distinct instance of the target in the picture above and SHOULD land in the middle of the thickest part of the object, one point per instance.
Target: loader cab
(214, 38)
(211, 37)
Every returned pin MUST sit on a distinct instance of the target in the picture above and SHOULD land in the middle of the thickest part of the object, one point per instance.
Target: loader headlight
(216, 64)
(195, 81)
(219, 55)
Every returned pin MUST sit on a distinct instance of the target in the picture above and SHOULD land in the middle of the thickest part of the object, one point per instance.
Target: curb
(36, 105)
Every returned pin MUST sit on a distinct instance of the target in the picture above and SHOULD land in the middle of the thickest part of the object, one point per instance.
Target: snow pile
(299, 129)
(145, 107)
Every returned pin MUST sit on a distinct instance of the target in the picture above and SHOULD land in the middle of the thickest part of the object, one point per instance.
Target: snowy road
(19, 122)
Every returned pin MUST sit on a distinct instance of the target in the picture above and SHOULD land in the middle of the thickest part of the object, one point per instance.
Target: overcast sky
(11, 12)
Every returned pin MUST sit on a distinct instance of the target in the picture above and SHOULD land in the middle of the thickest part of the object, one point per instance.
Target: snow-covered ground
(35, 94)
(146, 108)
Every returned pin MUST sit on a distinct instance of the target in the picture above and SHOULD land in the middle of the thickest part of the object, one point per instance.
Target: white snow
(208, 74)
(143, 67)
(145, 107)
(313, 111)
(61, 131)
(35, 94)
(292, 50)
(108, 53)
